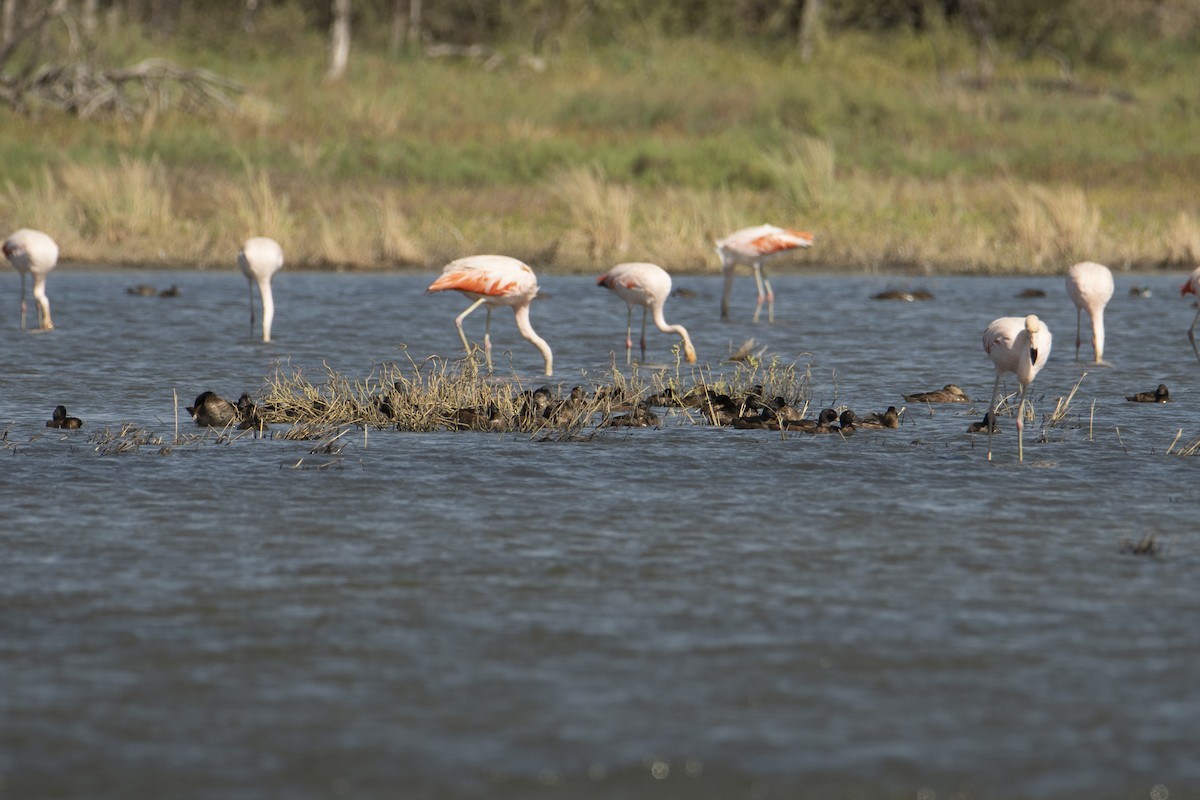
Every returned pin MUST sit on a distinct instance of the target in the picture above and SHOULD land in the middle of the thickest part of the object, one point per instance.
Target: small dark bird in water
(848, 422)
(948, 394)
(1139, 291)
(59, 419)
(907, 297)
(982, 425)
(476, 419)
(248, 414)
(1027, 293)
(173, 291)
(640, 417)
(1159, 395)
(888, 419)
(213, 411)
(822, 424)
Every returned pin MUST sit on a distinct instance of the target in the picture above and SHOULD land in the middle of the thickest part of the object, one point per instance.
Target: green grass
(647, 149)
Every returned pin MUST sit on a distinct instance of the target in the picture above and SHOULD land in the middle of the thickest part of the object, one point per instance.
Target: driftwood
(151, 85)
(86, 89)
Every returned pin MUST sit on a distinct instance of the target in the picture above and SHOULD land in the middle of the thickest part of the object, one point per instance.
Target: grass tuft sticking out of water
(436, 394)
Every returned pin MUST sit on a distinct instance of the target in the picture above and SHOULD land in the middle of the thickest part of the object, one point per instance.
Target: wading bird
(494, 281)
(1090, 287)
(1020, 346)
(1192, 286)
(33, 253)
(259, 259)
(648, 286)
(754, 246)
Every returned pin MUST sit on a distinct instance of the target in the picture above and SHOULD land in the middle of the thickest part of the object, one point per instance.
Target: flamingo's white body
(648, 286)
(33, 253)
(494, 281)
(1192, 286)
(1020, 345)
(754, 246)
(1090, 287)
(259, 259)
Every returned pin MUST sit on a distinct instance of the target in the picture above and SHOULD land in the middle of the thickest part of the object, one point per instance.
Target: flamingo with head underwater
(1020, 346)
(33, 253)
(494, 281)
(754, 246)
(1090, 287)
(649, 286)
(259, 259)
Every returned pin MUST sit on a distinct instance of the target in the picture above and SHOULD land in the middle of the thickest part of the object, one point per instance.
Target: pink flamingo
(494, 281)
(1020, 346)
(1192, 286)
(1090, 287)
(34, 253)
(754, 246)
(259, 259)
(649, 286)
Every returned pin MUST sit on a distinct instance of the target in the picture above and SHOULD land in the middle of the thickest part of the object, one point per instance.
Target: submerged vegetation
(644, 142)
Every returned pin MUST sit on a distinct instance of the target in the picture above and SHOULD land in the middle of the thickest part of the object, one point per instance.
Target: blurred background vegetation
(952, 136)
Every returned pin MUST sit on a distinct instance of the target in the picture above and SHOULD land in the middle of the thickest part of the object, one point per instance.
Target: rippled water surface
(686, 612)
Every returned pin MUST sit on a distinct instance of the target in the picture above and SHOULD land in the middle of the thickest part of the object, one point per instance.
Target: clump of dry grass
(1148, 545)
(1053, 226)
(804, 171)
(601, 213)
(129, 438)
(1183, 241)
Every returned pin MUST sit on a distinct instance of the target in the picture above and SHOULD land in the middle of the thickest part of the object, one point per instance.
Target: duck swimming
(1159, 395)
(947, 394)
(59, 419)
(213, 411)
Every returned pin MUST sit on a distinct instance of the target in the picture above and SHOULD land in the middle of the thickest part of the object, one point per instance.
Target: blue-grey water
(683, 612)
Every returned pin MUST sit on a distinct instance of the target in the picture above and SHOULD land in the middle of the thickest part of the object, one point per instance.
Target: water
(687, 612)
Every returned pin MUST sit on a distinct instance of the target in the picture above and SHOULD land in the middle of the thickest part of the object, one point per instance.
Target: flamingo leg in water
(250, 291)
(1191, 330)
(762, 295)
(992, 427)
(23, 302)
(644, 312)
(728, 270)
(1021, 427)
(629, 334)
(458, 323)
(1078, 331)
(487, 339)
(770, 297)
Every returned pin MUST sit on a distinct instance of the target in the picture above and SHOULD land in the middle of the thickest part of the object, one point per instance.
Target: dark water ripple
(684, 612)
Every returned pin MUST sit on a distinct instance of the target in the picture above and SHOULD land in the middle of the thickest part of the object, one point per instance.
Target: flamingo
(1190, 286)
(494, 281)
(34, 253)
(1020, 346)
(1090, 287)
(646, 285)
(259, 259)
(754, 246)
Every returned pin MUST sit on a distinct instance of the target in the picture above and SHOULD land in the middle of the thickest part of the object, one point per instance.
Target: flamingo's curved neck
(522, 316)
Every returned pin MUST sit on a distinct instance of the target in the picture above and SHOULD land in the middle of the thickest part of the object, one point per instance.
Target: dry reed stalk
(1054, 225)
(1062, 408)
(804, 171)
(602, 213)
(1183, 241)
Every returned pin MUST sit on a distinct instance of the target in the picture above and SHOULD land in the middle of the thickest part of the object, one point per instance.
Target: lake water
(683, 612)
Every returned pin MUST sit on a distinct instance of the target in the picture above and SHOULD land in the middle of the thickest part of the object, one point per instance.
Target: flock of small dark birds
(538, 407)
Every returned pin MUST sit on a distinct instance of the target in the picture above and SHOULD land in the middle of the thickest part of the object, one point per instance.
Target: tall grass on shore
(648, 147)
